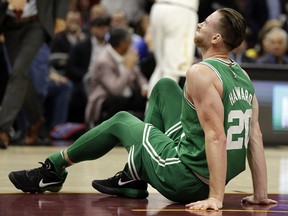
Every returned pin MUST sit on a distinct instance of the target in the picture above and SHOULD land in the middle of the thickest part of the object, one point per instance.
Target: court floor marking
(223, 210)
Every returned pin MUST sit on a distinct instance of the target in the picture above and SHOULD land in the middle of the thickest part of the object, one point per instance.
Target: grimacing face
(206, 30)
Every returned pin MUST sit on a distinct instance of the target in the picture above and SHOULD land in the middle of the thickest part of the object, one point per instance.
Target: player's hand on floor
(210, 203)
(252, 200)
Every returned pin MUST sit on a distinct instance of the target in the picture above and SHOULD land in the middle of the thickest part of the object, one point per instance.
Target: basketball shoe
(122, 185)
(38, 180)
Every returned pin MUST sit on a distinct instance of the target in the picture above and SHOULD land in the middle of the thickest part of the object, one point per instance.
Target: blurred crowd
(101, 62)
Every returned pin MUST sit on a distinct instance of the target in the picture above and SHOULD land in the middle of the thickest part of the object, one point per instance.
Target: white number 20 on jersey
(243, 124)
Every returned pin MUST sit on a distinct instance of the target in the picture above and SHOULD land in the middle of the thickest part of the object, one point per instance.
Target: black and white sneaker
(121, 185)
(38, 180)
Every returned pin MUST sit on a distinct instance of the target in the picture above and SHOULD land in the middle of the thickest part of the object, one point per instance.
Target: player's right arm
(257, 162)
(204, 89)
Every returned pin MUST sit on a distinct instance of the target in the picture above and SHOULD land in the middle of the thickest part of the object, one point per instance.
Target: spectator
(96, 11)
(133, 9)
(53, 89)
(147, 63)
(25, 29)
(119, 18)
(83, 6)
(258, 13)
(80, 57)
(73, 5)
(64, 40)
(117, 83)
(259, 48)
(275, 44)
(239, 54)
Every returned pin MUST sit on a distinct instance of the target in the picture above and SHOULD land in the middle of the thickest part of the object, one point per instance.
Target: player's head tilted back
(224, 27)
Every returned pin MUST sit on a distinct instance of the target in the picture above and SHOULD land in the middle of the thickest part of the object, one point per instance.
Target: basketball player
(173, 45)
(192, 143)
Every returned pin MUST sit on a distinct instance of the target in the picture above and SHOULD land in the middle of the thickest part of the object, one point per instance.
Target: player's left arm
(205, 91)
(257, 161)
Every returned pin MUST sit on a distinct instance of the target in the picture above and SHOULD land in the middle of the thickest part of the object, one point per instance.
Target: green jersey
(237, 98)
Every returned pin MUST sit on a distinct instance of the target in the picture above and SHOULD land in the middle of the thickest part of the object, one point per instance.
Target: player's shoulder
(199, 76)
(199, 69)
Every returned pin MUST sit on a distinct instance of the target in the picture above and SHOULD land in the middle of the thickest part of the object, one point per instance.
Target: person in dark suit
(26, 25)
(65, 40)
(78, 64)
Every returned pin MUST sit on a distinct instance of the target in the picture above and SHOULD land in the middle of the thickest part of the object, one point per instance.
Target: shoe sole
(53, 188)
(125, 192)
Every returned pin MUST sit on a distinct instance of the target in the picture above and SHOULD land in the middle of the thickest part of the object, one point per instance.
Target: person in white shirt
(173, 25)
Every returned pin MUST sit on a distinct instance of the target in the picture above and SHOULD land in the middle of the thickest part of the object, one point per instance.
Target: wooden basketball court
(77, 196)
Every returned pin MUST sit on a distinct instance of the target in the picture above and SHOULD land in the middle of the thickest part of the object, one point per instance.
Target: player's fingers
(215, 207)
(272, 201)
(191, 204)
(196, 206)
(205, 206)
(268, 201)
(247, 199)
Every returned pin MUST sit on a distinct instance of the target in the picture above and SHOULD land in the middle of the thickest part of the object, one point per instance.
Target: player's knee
(121, 115)
(165, 84)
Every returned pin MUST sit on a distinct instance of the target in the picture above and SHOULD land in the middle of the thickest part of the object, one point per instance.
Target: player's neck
(219, 55)
(215, 53)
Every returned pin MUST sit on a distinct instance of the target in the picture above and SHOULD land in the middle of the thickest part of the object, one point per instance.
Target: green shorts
(154, 157)
(155, 160)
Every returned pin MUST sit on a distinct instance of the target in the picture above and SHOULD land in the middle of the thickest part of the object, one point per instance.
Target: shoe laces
(40, 171)
(117, 175)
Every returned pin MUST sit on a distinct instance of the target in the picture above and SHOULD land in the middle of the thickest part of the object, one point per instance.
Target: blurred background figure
(53, 89)
(80, 58)
(147, 62)
(4, 72)
(26, 25)
(240, 54)
(119, 19)
(258, 12)
(117, 82)
(173, 43)
(133, 9)
(259, 46)
(275, 45)
(97, 10)
(83, 6)
(65, 40)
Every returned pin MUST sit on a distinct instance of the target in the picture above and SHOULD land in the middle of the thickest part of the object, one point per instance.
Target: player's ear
(216, 38)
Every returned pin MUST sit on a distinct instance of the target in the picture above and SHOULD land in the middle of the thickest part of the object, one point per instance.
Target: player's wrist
(260, 196)
(216, 198)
